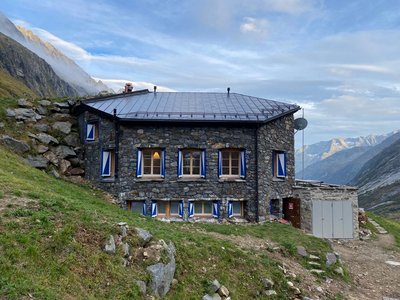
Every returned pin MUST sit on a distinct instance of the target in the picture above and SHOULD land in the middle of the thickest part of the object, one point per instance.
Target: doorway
(291, 211)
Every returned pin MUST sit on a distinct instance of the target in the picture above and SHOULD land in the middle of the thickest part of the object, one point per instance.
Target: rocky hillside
(379, 180)
(63, 66)
(26, 67)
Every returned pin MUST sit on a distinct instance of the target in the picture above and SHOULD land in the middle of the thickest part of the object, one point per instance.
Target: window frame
(112, 164)
(95, 129)
(275, 166)
(152, 175)
(241, 209)
(129, 205)
(191, 175)
(230, 151)
(168, 205)
(203, 214)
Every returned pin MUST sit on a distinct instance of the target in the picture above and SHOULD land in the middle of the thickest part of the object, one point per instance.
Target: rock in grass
(110, 246)
(38, 162)
(14, 145)
(302, 251)
(215, 286)
(270, 293)
(163, 274)
(268, 283)
(144, 235)
(339, 270)
(223, 291)
(142, 286)
(331, 259)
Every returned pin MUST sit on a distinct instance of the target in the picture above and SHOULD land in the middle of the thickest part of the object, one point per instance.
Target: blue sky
(340, 60)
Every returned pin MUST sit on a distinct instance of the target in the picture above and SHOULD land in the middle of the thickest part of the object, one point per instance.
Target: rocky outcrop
(53, 137)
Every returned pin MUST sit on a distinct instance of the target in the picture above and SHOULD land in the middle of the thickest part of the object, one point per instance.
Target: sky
(339, 59)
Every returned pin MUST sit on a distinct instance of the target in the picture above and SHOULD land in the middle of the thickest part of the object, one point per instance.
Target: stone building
(190, 156)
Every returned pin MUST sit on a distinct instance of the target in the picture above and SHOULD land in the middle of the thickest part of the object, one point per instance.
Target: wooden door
(291, 211)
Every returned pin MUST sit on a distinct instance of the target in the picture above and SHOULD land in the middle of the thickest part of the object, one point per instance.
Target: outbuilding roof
(189, 107)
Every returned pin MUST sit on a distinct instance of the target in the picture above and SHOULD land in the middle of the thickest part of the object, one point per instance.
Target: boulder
(1, 125)
(76, 171)
(162, 274)
(44, 103)
(38, 162)
(42, 149)
(64, 152)
(110, 246)
(61, 104)
(75, 162)
(302, 251)
(63, 166)
(24, 103)
(125, 247)
(215, 286)
(270, 293)
(213, 297)
(10, 113)
(23, 114)
(50, 156)
(142, 286)
(144, 235)
(64, 127)
(72, 140)
(71, 102)
(268, 283)
(41, 127)
(60, 117)
(331, 259)
(41, 110)
(14, 145)
(46, 139)
(223, 291)
(339, 270)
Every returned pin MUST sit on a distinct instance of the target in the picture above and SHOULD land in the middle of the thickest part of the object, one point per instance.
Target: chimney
(128, 87)
(228, 90)
(155, 89)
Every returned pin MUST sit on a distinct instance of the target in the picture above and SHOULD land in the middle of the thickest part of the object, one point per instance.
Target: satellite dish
(300, 123)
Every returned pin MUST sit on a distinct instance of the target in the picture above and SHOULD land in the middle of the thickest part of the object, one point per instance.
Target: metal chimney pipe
(155, 89)
(228, 89)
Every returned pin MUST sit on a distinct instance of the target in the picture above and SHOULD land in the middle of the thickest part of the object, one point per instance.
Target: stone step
(378, 227)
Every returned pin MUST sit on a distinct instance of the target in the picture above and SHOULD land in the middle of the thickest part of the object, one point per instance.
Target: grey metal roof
(190, 106)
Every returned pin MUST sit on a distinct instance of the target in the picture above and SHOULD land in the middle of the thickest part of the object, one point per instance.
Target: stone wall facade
(309, 192)
(255, 190)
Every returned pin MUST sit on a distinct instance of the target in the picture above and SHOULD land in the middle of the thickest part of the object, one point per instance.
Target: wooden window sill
(231, 179)
(107, 179)
(279, 179)
(150, 178)
(194, 178)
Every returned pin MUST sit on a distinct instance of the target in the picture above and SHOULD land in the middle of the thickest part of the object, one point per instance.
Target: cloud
(292, 7)
(347, 69)
(253, 25)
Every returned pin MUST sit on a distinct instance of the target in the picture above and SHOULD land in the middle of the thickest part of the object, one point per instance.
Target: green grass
(391, 226)
(52, 233)
(11, 87)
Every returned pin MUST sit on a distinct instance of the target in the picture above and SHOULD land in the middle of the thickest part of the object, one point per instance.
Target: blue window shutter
(281, 171)
(284, 157)
(144, 208)
(230, 209)
(191, 209)
(139, 162)
(243, 163)
(154, 209)
(106, 163)
(90, 132)
(219, 163)
(203, 163)
(215, 211)
(163, 160)
(180, 209)
(180, 163)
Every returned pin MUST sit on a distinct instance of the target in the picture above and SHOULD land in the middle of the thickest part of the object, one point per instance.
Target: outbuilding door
(332, 219)
(291, 211)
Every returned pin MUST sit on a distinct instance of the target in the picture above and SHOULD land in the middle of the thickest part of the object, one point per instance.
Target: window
(235, 209)
(91, 131)
(167, 208)
(279, 164)
(137, 207)
(108, 163)
(150, 163)
(192, 162)
(203, 208)
(232, 163)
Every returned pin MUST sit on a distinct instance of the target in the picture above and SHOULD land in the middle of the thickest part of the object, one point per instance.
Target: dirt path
(365, 260)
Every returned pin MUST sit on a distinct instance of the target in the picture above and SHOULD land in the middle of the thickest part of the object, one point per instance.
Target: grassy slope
(392, 226)
(52, 232)
(11, 87)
